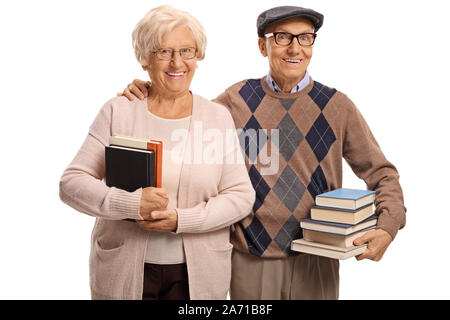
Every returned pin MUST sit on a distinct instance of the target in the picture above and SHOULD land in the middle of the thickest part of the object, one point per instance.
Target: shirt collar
(299, 87)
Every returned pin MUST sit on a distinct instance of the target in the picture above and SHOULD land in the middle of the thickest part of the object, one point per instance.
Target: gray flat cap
(285, 12)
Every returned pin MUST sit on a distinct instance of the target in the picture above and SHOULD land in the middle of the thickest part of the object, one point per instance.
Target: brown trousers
(165, 282)
(303, 277)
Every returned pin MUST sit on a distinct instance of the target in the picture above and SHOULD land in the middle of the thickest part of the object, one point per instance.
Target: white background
(61, 60)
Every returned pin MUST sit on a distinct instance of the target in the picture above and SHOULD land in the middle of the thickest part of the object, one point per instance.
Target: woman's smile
(176, 75)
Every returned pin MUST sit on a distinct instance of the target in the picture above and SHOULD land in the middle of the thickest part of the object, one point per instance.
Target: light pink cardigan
(211, 197)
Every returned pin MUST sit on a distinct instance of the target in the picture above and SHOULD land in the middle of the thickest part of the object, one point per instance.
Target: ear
(262, 46)
(146, 66)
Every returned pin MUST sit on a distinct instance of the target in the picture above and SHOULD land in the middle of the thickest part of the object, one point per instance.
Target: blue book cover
(343, 193)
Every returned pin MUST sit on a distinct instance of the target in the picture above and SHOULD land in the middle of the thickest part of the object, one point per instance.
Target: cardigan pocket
(220, 258)
(109, 272)
(105, 248)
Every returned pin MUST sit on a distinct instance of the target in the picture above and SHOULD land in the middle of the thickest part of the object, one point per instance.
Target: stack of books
(338, 217)
(132, 163)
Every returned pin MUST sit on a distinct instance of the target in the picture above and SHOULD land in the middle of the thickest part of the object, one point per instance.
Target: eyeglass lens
(167, 53)
(285, 38)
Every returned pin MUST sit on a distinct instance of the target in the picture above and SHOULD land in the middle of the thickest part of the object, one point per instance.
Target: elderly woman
(179, 247)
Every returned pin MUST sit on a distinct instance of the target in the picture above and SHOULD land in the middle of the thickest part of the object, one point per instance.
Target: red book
(157, 147)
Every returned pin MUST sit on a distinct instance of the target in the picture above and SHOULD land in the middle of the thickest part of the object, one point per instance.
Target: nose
(176, 59)
(295, 47)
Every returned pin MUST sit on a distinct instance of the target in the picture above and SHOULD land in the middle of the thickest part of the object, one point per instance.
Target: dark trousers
(165, 282)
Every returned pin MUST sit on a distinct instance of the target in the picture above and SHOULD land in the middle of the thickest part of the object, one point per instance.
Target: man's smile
(292, 61)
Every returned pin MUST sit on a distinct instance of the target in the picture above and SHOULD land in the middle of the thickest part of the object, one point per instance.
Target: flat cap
(285, 12)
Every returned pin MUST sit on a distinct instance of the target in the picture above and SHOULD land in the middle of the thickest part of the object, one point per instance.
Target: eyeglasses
(167, 53)
(285, 38)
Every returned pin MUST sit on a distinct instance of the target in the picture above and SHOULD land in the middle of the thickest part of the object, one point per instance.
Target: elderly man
(310, 128)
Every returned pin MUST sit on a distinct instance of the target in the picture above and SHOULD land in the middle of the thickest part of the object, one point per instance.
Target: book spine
(157, 147)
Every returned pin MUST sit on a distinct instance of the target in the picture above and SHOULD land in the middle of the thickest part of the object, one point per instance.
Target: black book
(129, 169)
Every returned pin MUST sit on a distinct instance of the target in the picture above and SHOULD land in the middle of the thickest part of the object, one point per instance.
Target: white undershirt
(167, 247)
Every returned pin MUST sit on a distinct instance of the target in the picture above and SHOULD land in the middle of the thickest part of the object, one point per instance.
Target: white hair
(148, 33)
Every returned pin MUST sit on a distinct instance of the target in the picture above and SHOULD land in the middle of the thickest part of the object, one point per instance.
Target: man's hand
(378, 241)
(162, 221)
(137, 88)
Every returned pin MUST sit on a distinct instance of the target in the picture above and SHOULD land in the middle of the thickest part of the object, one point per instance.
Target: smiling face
(288, 64)
(173, 77)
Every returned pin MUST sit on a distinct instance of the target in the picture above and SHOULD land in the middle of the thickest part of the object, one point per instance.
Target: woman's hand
(153, 199)
(137, 88)
(162, 221)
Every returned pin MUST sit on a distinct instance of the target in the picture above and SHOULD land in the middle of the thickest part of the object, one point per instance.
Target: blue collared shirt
(300, 86)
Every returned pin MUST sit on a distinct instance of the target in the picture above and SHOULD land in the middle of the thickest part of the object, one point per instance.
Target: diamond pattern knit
(317, 127)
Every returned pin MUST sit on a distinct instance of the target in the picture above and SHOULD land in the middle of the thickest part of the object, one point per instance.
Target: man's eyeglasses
(285, 38)
(167, 53)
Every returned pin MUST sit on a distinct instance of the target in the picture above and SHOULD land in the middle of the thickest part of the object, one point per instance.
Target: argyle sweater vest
(294, 144)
